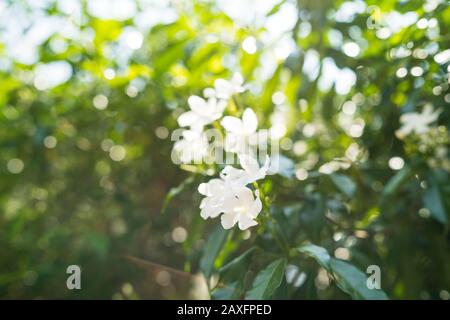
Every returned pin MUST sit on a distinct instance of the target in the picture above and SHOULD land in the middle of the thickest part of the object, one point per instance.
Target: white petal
(188, 119)
(233, 124)
(223, 88)
(265, 167)
(209, 93)
(211, 212)
(235, 143)
(216, 187)
(246, 222)
(427, 110)
(220, 106)
(232, 174)
(205, 213)
(237, 80)
(249, 164)
(197, 104)
(250, 121)
(228, 219)
(203, 189)
(244, 197)
(256, 207)
(212, 187)
(203, 203)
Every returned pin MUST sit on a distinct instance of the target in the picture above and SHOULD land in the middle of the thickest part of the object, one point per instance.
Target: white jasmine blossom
(222, 193)
(219, 191)
(225, 89)
(202, 112)
(229, 194)
(242, 209)
(209, 93)
(417, 122)
(241, 133)
(252, 170)
(279, 121)
(193, 147)
(216, 192)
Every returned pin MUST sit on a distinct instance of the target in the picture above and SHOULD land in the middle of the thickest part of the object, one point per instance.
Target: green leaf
(354, 282)
(282, 292)
(212, 249)
(318, 253)
(269, 88)
(232, 276)
(396, 181)
(344, 183)
(175, 191)
(267, 281)
(348, 278)
(275, 8)
(226, 292)
(238, 266)
(434, 201)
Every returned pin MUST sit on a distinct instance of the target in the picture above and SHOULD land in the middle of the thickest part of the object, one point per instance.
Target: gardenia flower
(242, 209)
(417, 122)
(224, 89)
(193, 147)
(202, 112)
(241, 133)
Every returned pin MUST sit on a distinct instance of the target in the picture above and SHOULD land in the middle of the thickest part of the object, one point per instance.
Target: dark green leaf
(396, 181)
(434, 201)
(354, 282)
(212, 249)
(348, 278)
(318, 253)
(344, 183)
(175, 191)
(267, 281)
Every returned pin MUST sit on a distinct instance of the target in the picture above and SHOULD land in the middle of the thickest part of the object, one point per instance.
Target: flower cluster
(230, 195)
(419, 123)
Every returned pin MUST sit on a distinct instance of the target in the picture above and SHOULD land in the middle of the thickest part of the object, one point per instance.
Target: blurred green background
(90, 91)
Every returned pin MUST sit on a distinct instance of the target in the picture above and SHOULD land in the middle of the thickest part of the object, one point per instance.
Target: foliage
(86, 175)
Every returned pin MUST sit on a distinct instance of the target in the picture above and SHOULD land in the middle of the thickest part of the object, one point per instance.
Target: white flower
(225, 89)
(252, 170)
(209, 93)
(242, 209)
(417, 122)
(241, 133)
(220, 192)
(193, 147)
(202, 112)
(279, 121)
(216, 193)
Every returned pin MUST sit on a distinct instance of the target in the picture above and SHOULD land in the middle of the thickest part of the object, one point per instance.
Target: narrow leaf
(348, 278)
(175, 191)
(396, 181)
(318, 253)
(354, 282)
(434, 201)
(267, 281)
(212, 249)
(344, 184)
